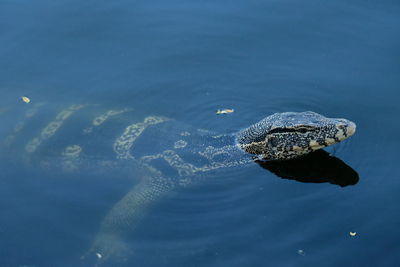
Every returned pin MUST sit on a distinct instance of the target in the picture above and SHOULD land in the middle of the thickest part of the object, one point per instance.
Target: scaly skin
(164, 153)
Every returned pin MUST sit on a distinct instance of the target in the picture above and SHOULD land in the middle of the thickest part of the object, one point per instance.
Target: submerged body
(164, 153)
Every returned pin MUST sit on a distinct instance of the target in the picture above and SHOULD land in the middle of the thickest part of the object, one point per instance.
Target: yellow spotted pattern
(185, 169)
(71, 160)
(180, 144)
(21, 124)
(124, 143)
(99, 120)
(51, 128)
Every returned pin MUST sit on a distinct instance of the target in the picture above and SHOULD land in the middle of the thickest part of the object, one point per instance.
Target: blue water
(184, 60)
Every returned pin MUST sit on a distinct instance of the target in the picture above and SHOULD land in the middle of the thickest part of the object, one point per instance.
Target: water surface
(184, 60)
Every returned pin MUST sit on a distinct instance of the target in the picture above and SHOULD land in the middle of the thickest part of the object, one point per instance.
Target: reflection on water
(316, 167)
(184, 60)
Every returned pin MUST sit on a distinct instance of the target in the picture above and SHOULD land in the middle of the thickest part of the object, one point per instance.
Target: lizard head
(291, 134)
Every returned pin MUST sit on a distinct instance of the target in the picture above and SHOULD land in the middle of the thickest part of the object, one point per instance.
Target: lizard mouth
(345, 129)
(351, 128)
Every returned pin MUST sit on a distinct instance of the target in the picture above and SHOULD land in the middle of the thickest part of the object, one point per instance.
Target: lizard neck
(189, 151)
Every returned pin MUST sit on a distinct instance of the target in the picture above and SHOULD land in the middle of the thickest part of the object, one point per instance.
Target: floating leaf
(224, 111)
(25, 99)
(353, 233)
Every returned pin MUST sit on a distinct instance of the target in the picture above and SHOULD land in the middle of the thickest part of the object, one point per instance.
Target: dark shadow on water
(316, 167)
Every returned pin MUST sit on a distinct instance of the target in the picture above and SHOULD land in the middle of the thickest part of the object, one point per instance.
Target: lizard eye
(297, 129)
(305, 129)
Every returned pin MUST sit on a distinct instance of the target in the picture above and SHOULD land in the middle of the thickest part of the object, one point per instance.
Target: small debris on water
(353, 233)
(301, 252)
(25, 99)
(224, 111)
(99, 256)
